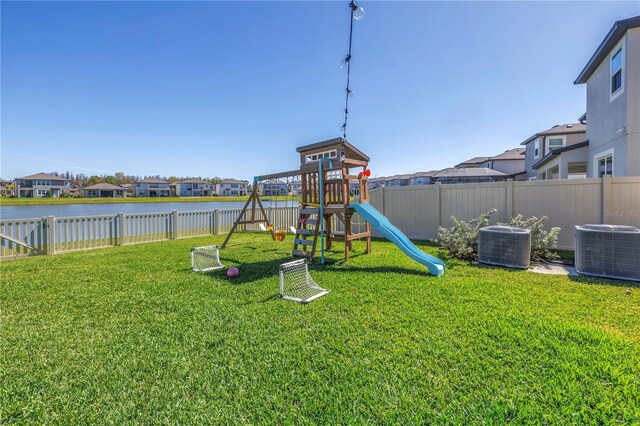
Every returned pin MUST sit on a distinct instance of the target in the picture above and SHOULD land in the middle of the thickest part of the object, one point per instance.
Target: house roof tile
(468, 172)
(193, 181)
(559, 129)
(233, 181)
(105, 187)
(152, 180)
(510, 154)
(42, 176)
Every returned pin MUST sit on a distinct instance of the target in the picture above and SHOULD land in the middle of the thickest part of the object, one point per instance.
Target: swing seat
(264, 228)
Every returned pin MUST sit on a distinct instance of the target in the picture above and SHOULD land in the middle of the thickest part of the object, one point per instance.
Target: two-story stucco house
(376, 182)
(274, 187)
(397, 180)
(194, 188)
(422, 178)
(152, 187)
(510, 163)
(557, 153)
(103, 190)
(41, 185)
(612, 76)
(231, 187)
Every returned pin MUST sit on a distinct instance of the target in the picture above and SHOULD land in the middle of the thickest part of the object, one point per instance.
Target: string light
(357, 13)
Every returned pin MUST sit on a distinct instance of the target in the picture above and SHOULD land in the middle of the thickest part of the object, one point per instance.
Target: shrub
(542, 242)
(461, 241)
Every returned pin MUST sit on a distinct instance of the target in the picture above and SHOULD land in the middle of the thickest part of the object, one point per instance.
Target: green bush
(461, 241)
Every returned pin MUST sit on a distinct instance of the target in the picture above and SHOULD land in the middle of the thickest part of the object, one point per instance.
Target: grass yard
(132, 335)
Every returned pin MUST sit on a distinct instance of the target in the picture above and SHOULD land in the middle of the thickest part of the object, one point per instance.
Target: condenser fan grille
(504, 246)
(611, 251)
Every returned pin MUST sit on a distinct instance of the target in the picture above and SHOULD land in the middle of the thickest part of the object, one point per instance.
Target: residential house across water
(41, 185)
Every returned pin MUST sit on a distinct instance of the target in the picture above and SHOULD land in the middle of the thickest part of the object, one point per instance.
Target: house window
(554, 143)
(536, 148)
(577, 170)
(553, 173)
(617, 68)
(605, 165)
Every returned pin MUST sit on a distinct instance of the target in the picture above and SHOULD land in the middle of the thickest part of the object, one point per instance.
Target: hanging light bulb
(358, 11)
(345, 62)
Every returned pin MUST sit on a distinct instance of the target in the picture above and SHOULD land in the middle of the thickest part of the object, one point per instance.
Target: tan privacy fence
(419, 210)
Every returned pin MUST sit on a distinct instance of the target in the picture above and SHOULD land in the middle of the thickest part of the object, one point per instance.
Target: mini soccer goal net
(296, 284)
(205, 259)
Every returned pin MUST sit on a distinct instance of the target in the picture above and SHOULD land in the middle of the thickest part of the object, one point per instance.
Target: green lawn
(7, 201)
(131, 335)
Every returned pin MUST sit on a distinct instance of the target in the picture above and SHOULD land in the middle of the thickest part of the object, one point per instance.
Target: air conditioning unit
(505, 246)
(611, 251)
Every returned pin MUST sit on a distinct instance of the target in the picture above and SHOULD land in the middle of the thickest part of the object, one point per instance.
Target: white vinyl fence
(419, 210)
(50, 235)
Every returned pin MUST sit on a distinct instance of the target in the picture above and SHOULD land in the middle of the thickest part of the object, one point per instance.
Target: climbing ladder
(306, 239)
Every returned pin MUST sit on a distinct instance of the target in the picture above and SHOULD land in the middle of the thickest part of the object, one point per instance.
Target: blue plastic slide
(382, 224)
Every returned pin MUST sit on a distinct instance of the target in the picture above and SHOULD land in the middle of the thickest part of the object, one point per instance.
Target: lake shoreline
(29, 211)
(67, 201)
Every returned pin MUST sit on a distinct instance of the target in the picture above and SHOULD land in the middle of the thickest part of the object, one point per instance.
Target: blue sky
(230, 89)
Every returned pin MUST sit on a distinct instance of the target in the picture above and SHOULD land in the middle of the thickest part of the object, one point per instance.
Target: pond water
(66, 210)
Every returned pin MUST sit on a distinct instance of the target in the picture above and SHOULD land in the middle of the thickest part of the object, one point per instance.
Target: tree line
(120, 178)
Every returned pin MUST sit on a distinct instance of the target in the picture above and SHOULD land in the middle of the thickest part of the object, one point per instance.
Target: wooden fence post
(607, 200)
(174, 224)
(121, 233)
(50, 225)
(216, 221)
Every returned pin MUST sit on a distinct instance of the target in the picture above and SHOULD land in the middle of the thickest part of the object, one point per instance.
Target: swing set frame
(257, 207)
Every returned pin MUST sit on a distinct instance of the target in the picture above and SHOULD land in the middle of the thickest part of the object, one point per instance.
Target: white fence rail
(50, 235)
(16, 236)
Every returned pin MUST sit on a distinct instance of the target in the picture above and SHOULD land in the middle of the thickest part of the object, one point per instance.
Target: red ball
(233, 272)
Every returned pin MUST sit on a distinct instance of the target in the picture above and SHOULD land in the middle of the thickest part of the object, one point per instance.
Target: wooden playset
(325, 172)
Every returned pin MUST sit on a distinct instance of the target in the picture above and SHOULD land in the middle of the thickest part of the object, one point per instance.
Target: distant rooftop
(468, 172)
(559, 129)
(194, 181)
(510, 154)
(475, 160)
(104, 186)
(232, 181)
(152, 180)
(42, 176)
